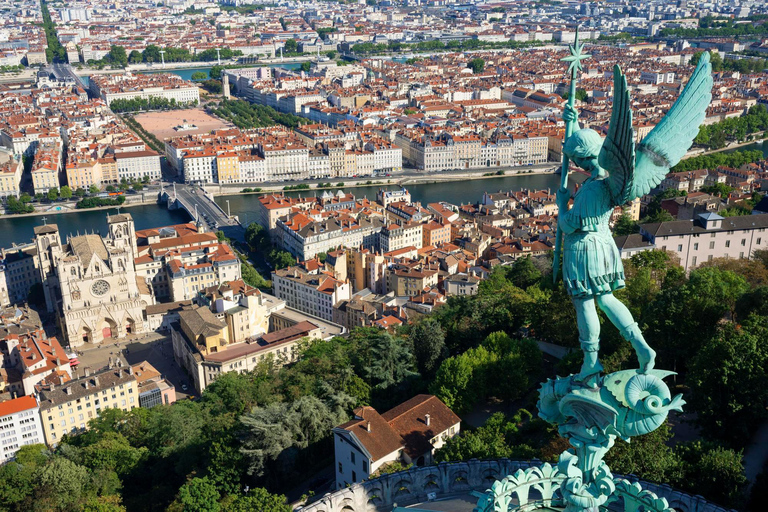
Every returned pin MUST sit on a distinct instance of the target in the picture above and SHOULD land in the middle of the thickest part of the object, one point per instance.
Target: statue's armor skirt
(591, 264)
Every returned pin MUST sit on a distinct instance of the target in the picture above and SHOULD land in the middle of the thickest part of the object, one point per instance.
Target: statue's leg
(589, 338)
(621, 317)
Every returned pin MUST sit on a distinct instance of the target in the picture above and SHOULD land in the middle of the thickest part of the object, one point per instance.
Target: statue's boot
(646, 356)
(591, 367)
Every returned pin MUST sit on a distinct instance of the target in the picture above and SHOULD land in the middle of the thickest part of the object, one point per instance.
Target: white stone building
(314, 294)
(409, 433)
(138, 164)
(19, 425)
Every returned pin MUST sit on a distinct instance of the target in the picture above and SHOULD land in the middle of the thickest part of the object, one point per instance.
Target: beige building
(67, 409)
(10, 177)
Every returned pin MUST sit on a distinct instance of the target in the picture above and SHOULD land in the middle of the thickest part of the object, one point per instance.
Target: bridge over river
(199, 204)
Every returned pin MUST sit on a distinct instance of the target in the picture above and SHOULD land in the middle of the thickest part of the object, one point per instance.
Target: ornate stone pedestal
(623, 404)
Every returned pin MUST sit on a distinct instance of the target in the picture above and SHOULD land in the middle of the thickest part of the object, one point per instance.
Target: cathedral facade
(90, 281)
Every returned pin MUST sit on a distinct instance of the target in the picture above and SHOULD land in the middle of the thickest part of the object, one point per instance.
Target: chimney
(87, 371)
(130, 370)
(68, 390)
(95, 380)
(368, 426)
(53, 351)
(427, 419)
(87, 384)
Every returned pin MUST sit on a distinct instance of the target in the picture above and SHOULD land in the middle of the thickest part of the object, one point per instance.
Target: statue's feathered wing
(635, 171)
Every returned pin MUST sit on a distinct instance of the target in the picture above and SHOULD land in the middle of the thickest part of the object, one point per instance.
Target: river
(14, 229)
(455, 192)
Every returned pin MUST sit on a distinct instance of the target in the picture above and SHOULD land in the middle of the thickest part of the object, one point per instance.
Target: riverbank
(69, 207)
(348, 183)
(732, 147)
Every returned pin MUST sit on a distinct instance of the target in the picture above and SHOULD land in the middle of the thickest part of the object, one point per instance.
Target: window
(741, 255)
(709, 258)
(758, 241)
(354, 477)
(727, 243)
(352, 457)
(696, 247)
(679, 248)
(693, 261)
(711, 245)
(340, 469)
(743, 242)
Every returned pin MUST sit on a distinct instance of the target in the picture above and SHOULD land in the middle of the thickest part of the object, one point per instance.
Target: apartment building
(200, 166)
(19, 426)
(435, 233)
(314, 294)
(67, 408)
(304, 237)
(10, 178)
(46, 167)
(709, 236)
(395, 237)
(137, 165)
(408, 282)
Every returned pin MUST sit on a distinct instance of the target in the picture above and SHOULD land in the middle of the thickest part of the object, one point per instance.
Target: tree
(117, 54)
(259, 499)
(625, 226)
(477, 65)
(53, 194)
(199, 75)
(497, 438)
(712, 471)
(428, 341)
(728, 381)
(291, 46)
(151, 53)
(135, 57)
(648, 456)
(305, 66)
(199, 495)
(281, 259)
(25, 198)
(94, 189)
(63, 481)
(80, 192)
(66, 192)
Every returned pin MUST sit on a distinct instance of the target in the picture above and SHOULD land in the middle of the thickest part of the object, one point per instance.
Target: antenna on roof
(44, 221)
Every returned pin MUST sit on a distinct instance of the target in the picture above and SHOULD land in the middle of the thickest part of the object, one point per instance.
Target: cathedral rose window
(100, 287)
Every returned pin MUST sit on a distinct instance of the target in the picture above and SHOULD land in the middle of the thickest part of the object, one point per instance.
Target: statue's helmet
(583, 144)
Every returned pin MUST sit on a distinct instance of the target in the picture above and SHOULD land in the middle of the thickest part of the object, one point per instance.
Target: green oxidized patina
(591, 409)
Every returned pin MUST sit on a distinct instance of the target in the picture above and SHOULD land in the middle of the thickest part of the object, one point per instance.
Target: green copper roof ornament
(591, 409)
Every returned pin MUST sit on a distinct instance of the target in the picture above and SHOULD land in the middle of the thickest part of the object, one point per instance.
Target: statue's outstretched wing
(617, 155)
(672, 137)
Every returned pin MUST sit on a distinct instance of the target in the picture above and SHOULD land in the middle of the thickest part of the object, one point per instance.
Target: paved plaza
(152, 347)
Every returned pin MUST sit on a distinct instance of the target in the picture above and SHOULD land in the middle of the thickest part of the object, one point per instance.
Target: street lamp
(228, 213)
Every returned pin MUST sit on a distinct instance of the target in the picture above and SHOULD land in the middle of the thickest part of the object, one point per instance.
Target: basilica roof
(85, 246)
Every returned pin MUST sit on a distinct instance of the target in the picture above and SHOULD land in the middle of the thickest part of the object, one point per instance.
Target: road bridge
(199, 204)
(64, 71)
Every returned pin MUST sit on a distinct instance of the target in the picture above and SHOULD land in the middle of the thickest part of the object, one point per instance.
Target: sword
(574, 67)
